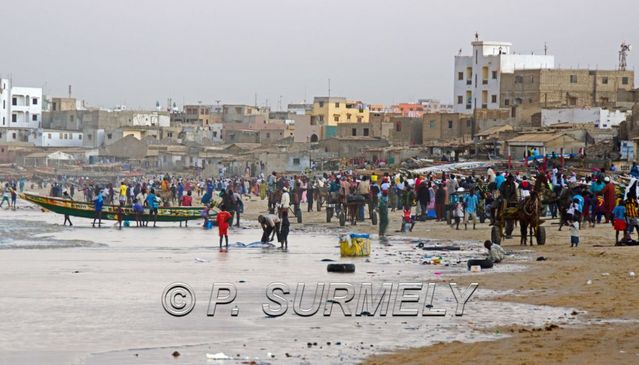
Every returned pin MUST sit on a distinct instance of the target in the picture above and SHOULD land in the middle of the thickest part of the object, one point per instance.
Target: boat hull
(109, 212)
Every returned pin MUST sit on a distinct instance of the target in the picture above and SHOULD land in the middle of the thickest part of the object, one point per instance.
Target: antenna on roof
(623, 54)
(545, 49)
(476, 36)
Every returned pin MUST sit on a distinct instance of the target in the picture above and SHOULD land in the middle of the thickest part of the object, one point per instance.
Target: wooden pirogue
(109, 212)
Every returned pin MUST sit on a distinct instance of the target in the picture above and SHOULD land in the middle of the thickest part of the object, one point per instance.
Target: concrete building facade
(20, 111)
(446, 126)
(599, 117)
(334, 110)
(57, 138)
(564, 88)
(478, 76)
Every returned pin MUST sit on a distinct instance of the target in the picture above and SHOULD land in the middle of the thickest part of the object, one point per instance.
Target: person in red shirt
(222, 219)
(187, 200)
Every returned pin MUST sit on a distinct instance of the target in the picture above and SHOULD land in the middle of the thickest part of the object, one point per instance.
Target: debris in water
(175, 354)
(218, 356)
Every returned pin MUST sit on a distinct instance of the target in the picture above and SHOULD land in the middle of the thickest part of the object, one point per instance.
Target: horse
(530, 210)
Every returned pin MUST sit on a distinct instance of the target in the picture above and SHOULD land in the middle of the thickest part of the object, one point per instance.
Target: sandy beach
(93, 296)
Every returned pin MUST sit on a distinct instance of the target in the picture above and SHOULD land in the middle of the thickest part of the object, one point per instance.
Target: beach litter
(197, 259)
(218, 356)
(632, 274)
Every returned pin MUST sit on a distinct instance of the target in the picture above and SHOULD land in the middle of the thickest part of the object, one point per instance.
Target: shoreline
(518, 291)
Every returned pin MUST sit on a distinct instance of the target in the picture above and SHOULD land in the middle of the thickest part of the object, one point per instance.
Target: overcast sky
(135, 52)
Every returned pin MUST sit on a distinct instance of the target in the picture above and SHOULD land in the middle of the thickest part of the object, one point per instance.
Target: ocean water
(94, 296)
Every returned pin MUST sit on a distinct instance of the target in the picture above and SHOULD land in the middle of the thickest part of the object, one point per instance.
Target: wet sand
(93, 296)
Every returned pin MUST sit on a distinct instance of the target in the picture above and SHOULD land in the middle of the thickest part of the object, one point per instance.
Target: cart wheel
(541, 235)
(329, 214)
(374, 218)
(342, 218)
(495, 235)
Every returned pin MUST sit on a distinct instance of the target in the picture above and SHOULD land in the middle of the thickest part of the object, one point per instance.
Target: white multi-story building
(477, 77)
(20, 111)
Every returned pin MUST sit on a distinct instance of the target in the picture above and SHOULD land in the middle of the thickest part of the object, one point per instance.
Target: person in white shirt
(495, 252)
(285, 201)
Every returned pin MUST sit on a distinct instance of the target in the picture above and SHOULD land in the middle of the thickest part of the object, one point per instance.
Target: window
(431, 124)
(321, 118)
(13, 135)
(90, 137)
(3, 121)
(321, 104)
(493, 98)
(296, 161)
(494, 75)
(572, 100)
(624, 81)
(71, 117)
(518, 101)
(450, 124)
(4, 104)
(34, 101)
(519, 79)
(48, 135)
(506, 102)
(604, 80)
(336, 117)
(268, 135)
(460, 99)
(360, 119)
(398, 126)
(214, 134)
(348, 116)
(34, 117)
(79, 136)
(337, 105)
(460, 76)
(354, 132)
(573, 79)
(366, 132)
(14, 101)
(109, 136)
(14, 118)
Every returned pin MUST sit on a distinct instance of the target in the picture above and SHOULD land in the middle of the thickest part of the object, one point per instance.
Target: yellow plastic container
(355, 245)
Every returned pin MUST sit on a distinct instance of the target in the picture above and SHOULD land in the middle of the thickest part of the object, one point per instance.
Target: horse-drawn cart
(505, 224)
(348, 209)
(527, 212)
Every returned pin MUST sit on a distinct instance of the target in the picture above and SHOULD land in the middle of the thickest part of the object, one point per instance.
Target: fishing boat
(109, 212)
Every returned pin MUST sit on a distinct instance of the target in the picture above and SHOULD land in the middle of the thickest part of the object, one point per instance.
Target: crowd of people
(461, 200)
